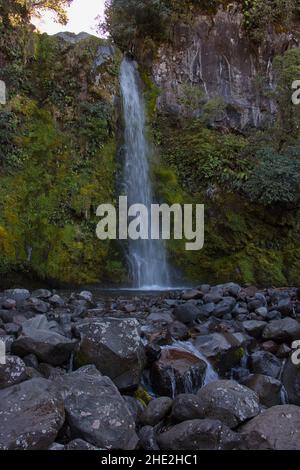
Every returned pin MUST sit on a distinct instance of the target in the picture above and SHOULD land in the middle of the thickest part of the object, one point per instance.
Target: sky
(81, 14)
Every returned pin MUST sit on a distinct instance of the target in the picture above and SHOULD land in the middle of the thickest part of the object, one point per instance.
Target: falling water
(147, 258)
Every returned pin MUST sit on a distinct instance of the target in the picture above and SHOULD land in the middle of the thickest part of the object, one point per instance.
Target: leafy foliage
(276, 178)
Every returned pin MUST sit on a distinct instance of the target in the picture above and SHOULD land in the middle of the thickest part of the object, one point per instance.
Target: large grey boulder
(187, 406)
(275, 429)
(267, 388)
(291, 381)
(186, 313)
(156, 410)
(115, 347)
(96, 412)
(47, 344)
(229, 402)
(31, 414)
(281, 331)
(199, 434)
(265, 363)
(12, 372)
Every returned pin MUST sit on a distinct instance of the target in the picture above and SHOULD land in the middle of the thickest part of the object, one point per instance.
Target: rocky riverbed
(207, 368)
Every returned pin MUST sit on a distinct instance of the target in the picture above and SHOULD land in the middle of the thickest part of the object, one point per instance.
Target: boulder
(48, 345)
(187, 406)
(31, 414)
(192, 294)
(224, 307)
(13, 372)
(186, 313)
(267, 388)
(177, 371)
(275, 429)
(229, 402)
(19, 295)
(79, 444)
(223, 350)
(156, 411)
(281, 331)
(115, 347)
(291, 381)
(96, 412)
(147, 437)
(199, 434)
(265, 363)
(178, 331)
(254, 327)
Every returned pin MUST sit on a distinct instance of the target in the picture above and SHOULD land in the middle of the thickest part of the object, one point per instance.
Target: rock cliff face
(215, 54)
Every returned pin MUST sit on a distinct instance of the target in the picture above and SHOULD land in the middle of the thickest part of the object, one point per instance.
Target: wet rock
(147, 437)
(13, 372)
(163, 316)
(31, 414)
(285, 307)
(224, 307)
(96, 411)
(192, 294)
(177, 371)
(199, 434)
(222, 349)
(269, 346)
(56, 301)
(156, 411)
(48, 345)
(254, 328)
(79, 444)
(9, 304)
(135, 407)
(275, 429)
(86, 295)
(291, 381)
(267, 388)
(115, 347)
(283, 351)
(31, 361)
(265, 363)
(37, 305)
(19, 295)
(43, 294)
(178, 331)
(229, 402)
(187, 406)
(285, 330)
(186, 313)
(12, 329)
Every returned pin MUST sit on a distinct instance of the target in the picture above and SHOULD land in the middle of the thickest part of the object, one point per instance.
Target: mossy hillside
(244, 240)
(63, 166)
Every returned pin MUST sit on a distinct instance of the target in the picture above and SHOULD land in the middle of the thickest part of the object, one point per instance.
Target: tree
(16, 12)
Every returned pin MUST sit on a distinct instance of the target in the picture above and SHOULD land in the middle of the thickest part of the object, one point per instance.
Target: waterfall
(147, 258)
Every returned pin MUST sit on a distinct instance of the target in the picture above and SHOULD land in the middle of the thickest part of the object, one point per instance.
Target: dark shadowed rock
(291, 381)
(254, 327)
(79, 444)
(177, 371)
(186, 313)
(115, 347)
(178, 331)
(135, 406)
(267, 388)
(43, 294)
(265, 363)
(48, 345)
(31, 414)
(96, 411)
(228, 401)
(187, 406)
(285, 330)
(275, 429)
(147, 437)
(156, 411)
(222, 349)
(199, 434)
(224, 307)
(13, 372)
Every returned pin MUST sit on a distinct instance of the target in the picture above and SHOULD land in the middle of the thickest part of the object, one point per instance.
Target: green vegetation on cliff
(57, 159)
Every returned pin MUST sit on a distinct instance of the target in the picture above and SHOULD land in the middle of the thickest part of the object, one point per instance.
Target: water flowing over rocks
(105, 370)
